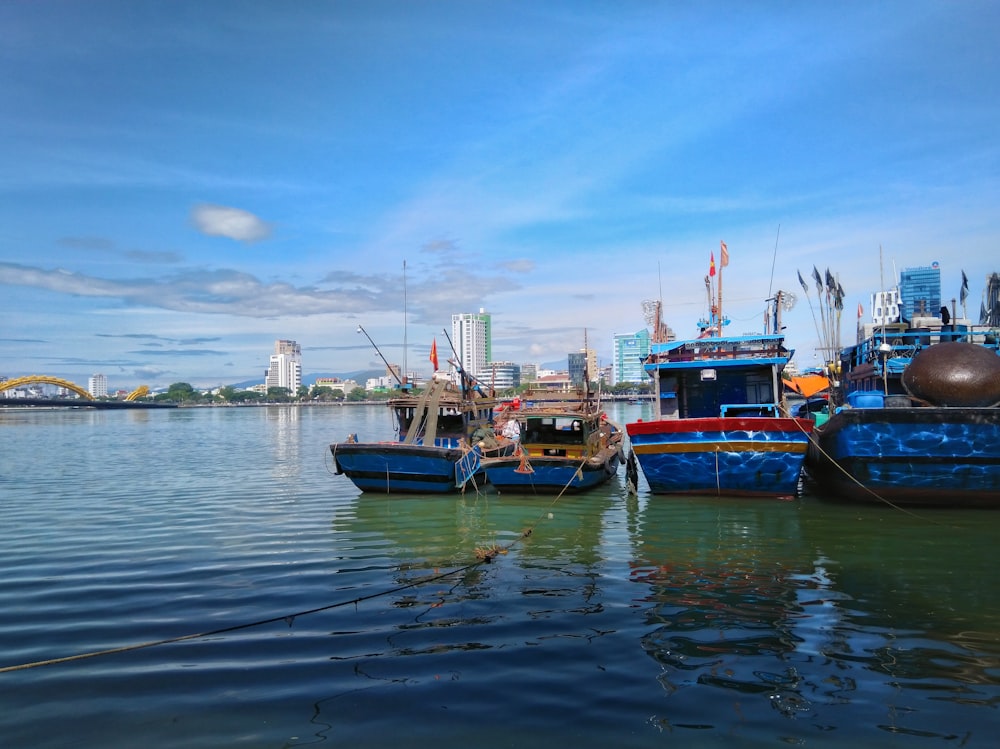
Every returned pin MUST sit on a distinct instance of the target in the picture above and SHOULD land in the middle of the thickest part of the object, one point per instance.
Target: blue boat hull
(915, 456)
(390, 467)
(550, 475)
(748, 456)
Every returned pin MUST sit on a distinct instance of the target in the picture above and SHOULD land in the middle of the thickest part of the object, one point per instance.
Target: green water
(366, 620)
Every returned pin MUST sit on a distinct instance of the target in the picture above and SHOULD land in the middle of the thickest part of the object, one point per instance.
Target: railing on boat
(893, 348)
(749, 409)
(712, 351)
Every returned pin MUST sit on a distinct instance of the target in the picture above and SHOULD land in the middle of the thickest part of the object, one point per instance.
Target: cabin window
(759, 390)
(554, 431)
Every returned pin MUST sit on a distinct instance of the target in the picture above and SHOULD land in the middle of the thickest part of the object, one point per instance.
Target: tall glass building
(920, 292)
(577, 363)
(629, 351)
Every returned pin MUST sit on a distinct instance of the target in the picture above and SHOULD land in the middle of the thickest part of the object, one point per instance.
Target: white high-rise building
(472, 335)
(97, 385)
(284, 369)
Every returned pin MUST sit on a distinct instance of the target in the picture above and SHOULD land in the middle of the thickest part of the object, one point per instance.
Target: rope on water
(484, 555)
(288, 618)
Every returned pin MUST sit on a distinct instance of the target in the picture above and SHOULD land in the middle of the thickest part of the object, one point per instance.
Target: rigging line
(531, 527)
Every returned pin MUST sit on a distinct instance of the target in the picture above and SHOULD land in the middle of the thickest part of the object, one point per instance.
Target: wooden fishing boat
(437, 450)
(566, 446)
(722, 425)
(915, 419)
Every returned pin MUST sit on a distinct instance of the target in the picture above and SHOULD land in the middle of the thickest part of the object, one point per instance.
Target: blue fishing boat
(915, 418)
(563, 446)
(722, 425)
(437, 449)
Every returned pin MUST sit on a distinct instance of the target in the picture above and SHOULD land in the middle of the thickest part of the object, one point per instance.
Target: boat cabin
(710, 377)
(440, 416)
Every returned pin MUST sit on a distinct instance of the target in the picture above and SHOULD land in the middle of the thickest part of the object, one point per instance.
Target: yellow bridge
(17, 382)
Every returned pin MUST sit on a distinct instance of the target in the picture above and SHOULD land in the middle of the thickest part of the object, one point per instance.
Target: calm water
(624, 622)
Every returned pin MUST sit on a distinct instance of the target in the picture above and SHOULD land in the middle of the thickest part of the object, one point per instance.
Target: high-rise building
(885, 307)
(582, 366)
(629, 351)
(920, 292)
(97, 385)
(285, 366)
(472, 336)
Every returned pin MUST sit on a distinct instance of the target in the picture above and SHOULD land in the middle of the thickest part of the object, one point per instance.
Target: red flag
(711, 265)
(723, 255)
(861, 310)
(434, 354)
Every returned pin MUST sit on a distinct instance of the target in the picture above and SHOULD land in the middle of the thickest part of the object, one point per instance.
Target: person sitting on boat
(512, 430)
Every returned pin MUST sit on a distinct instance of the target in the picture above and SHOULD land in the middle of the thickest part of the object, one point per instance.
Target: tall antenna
(774, 258)
(404, 321)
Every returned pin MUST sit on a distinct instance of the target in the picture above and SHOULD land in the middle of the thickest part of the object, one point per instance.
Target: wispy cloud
(231, 292)
(178, 353)
(154, 339)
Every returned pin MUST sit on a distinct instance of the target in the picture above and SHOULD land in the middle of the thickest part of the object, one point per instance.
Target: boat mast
(719, 305)
(707, 332)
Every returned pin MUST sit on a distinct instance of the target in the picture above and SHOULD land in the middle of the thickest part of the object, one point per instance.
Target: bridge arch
(57, 381)
(140, 392)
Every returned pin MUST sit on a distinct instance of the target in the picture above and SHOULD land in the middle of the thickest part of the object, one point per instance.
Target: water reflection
(809, 612)
(722, 605)
(916, 608)
(284, 426)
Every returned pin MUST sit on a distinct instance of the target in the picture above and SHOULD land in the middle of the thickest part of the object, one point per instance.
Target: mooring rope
(483, 557)
(815, 442)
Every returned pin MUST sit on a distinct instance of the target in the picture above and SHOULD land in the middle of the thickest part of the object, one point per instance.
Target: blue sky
(182, 183)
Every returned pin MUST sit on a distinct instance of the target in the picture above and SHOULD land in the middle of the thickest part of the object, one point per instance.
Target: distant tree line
(183, 392)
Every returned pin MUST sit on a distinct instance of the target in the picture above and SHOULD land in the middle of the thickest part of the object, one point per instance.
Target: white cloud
(234, 223)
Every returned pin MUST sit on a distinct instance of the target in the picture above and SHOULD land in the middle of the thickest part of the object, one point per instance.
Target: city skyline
(176, 194)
